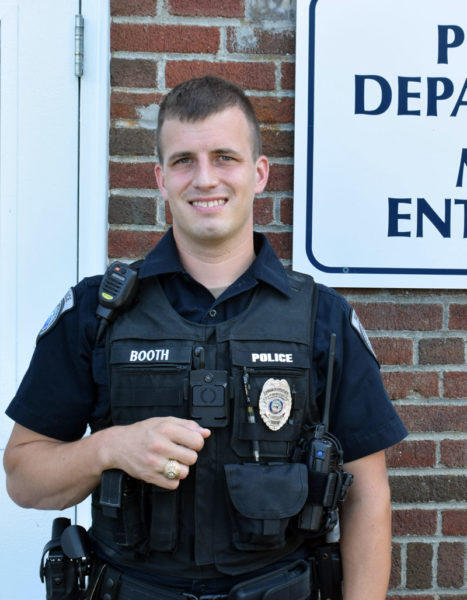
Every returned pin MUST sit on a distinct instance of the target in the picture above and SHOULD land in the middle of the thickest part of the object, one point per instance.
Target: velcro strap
(111, 492)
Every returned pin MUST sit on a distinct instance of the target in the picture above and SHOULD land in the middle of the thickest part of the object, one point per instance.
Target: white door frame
(94, 136)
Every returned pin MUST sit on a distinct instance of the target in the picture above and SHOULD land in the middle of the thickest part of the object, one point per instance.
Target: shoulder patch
(356, 324)
(65, 304)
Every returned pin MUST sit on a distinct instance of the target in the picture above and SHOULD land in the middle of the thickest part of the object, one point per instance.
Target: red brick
(263, 211)
(277, 142)
(207, 8)
(454, 453)
(288, 76)
(455, 385)
(124, 141)
(132, 244)
(406, 385)
(397, 316)
(164, 38)
(396, 566)
(417, 453)
(433, 417)
(133, 73)
(455, 522)
(146, 8)
(125, 210)
(273, 110)
(458, 316)
(259, 41)
(427, 488)
(286, 211)
(393, 351)
(125, 105)
(441, 351)
(280, 178)
(419, 569)
(413, 522)
(451, 565)
(132, 175)
(282, 244)
(247, 75)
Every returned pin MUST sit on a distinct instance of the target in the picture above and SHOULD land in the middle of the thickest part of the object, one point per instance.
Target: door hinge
(79, 45)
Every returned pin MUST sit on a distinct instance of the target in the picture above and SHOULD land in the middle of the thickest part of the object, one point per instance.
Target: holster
(65, 561)
(326, 563)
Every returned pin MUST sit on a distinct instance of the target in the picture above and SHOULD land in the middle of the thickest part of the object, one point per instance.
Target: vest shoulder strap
(297, 282)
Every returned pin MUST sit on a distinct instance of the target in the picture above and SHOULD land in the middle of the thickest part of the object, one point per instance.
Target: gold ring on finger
(172, 469)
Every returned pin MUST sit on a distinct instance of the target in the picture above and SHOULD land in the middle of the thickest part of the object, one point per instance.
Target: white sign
(381, 143)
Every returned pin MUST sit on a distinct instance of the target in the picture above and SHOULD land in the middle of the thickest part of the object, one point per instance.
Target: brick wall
(419, 336)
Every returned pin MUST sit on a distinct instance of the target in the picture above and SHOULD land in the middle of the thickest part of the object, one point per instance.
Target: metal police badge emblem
(275, 403)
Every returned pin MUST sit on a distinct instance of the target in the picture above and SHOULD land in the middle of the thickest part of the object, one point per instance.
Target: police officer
(202, 391)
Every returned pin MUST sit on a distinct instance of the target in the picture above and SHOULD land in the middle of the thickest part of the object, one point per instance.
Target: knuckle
(192, 457)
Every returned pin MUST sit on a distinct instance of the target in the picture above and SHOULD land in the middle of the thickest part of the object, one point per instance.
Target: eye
(184, 160)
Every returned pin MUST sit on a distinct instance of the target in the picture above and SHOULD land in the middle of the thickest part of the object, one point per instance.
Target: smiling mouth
(208, 203)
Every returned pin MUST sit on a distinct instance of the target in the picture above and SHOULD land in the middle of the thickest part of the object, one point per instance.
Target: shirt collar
(164, 259)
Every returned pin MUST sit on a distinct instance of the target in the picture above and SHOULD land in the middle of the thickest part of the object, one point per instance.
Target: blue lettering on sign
(395, 217)
(463, 164)
(407, 88)
(444, 45)
(386, 95)
(424, 212)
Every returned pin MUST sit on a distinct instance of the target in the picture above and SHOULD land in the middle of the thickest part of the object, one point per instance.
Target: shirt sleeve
(56, 395)
(362, 415)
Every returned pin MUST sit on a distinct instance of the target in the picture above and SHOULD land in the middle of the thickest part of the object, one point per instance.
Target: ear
(262, 174)
(159, 173)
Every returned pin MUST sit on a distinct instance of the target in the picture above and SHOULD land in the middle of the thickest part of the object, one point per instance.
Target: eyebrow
(216, 151)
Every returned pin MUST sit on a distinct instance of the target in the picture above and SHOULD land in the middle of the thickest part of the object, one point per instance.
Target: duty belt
(292, 581)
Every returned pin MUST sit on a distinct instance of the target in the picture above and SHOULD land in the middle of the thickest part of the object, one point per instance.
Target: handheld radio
(324, 459)
(116, 291)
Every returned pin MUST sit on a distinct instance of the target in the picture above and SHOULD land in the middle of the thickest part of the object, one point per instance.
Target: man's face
(209, 177)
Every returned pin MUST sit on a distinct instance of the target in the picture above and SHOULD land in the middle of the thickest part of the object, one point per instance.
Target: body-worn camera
(209, 392)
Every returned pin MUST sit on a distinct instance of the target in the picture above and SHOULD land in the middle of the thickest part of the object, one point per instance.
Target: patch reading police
(275, 403)
(356, 324)
(65, 304)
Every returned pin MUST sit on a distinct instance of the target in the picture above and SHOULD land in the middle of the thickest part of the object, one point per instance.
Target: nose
(205, 176)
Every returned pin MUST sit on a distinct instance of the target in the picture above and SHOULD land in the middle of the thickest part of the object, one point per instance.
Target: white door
(42, 219)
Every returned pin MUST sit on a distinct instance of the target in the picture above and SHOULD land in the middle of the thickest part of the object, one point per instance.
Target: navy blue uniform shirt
(65, 387)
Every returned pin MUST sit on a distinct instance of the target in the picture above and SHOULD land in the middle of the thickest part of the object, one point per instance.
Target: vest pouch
(130, 531)
(263, 500)
(119, 511)
(258, 366)
(142, 392)
(164, 519)
(148, 379)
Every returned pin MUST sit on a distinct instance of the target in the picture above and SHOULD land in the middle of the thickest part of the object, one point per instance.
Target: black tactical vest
(232, 513)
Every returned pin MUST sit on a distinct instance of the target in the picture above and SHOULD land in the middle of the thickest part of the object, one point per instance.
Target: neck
(216, 266)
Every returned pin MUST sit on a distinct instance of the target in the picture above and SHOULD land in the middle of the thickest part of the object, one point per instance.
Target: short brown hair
(196, 99)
